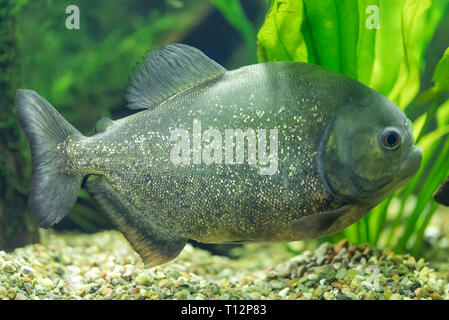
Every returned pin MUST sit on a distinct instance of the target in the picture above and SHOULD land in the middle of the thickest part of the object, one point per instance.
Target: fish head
(368, 152)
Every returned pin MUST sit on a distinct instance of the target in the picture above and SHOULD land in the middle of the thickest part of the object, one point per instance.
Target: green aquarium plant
(381, 44)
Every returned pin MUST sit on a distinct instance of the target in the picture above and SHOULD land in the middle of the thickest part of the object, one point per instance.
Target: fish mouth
(407, 170)
(411, 165)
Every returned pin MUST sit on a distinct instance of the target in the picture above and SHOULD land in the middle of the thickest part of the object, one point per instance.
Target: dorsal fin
(164, 73)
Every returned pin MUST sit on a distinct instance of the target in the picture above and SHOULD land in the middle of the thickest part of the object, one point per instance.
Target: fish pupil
(390, 139)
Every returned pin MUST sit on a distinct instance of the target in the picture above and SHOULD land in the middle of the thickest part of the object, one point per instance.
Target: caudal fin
(53, 190)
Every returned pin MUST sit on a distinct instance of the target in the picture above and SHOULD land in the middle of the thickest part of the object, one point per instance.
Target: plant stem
(366, 223)
(429, 116)
(381, 215)
(420, 234)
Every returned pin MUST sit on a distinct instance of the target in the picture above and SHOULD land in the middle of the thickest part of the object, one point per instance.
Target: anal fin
(152, 244)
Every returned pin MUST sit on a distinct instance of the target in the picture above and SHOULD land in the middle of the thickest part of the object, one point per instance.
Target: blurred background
(84, 72)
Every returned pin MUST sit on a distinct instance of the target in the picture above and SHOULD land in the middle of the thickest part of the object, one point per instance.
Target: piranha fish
(337, 149)
(441, 195)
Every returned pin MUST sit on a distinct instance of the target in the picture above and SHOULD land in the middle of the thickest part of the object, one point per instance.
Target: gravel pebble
(103, 266)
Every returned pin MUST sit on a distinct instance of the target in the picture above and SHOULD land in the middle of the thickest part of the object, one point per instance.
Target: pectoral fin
(155, 246)
(318, 224)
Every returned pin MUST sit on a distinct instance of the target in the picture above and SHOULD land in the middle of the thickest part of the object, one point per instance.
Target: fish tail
(53, 189)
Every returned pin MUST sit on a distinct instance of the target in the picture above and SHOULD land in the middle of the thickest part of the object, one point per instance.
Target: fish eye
(390, 139)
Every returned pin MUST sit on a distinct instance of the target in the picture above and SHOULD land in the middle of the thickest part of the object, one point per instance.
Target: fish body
(441, 195)
(278, 151)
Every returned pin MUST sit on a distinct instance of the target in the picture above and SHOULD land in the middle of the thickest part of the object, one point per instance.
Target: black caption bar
(207, 309)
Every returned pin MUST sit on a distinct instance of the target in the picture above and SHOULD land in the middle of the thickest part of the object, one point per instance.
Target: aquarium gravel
(103, 266)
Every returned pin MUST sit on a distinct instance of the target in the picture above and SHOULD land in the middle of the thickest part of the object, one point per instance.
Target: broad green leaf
(366, 42)
(418, 125)
(419, 19)
(443, 114)
(337, 35)
(441, 74)
(440, 78)
(280, 37)
(323, 21)
(433, 137)
(348, 33)
(388, 47)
